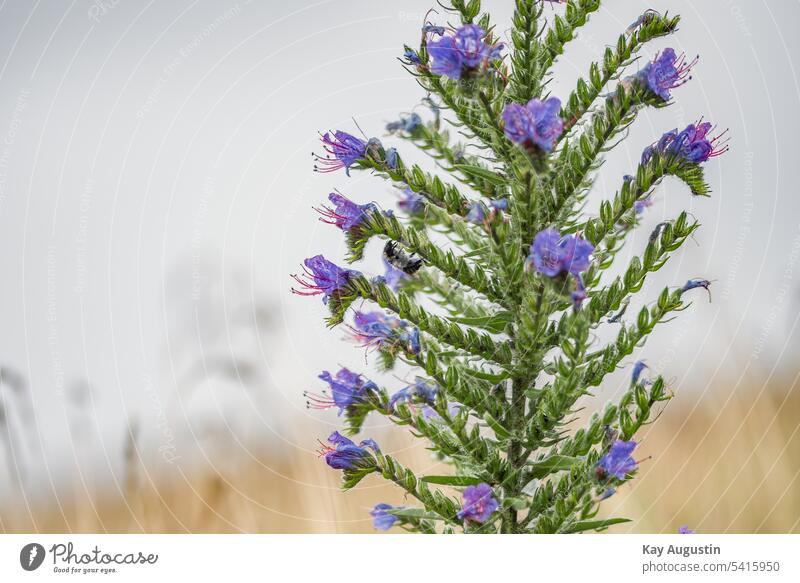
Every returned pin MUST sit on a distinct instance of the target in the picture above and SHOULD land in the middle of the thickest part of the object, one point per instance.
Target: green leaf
(452, 480)
(487, 376)
(417, 513)
(584, 525)
(498, 428)
(496, 323)
(481, 172)
(554, 463)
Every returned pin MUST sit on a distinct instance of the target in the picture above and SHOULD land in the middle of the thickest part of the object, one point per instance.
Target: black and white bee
(397, 257)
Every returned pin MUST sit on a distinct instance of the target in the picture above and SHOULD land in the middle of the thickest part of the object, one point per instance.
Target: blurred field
(726, 462)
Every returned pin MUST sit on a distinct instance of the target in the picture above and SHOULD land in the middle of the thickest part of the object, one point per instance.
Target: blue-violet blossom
(667, 71)
(551, 254)
(618, 461)
(346, 388)
(462, 53)
(345, 214)
(346, 455)
(381, 519)
(322, 277)
(536, 124)
(478, 503)
(343, 150)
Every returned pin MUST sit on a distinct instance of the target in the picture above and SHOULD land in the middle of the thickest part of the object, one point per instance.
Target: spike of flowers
(464, 53)
(520, 287)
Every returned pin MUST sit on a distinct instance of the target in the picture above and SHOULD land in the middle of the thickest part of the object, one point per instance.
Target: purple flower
(346, 214)
(378, 330)
(346, 455)
(322, 277)
(411, 202)
(667, 71)
(406, 124)
(469, 42)
(381, 519)
(445, 58)
(393, 276)
(478, 503)
(536, 124)
(464, 52)
(551, 254)
(343, 150)
(420, 391)
(685, 530)
(692, 144)
(618, 461)
(638, 368)
(346, 388)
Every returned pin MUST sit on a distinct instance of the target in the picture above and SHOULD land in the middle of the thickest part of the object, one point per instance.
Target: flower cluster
(534, 125)
(464, 53)
(555, 256)
(692, 144)
(667, 71)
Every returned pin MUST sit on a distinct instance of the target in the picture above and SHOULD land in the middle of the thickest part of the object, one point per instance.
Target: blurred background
(156, 191)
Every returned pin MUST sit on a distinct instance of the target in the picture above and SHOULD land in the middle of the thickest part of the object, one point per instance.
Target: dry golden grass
(726, 462)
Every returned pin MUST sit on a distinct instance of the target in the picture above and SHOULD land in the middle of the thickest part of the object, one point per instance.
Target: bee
(405, 262)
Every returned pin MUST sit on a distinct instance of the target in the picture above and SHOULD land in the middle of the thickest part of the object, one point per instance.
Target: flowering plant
(495, 298)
